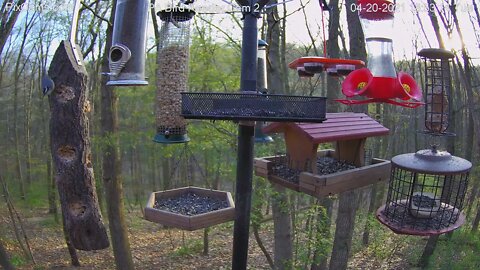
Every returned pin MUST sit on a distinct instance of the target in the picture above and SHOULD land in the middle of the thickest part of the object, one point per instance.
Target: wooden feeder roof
(337, 127)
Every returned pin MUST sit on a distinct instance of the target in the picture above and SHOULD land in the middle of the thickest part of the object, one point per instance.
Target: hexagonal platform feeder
(165, 207)
(325, 172)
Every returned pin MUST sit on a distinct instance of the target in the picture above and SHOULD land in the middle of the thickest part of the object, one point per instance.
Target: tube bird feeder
(172, 74)
(262, 87)
(127, 54)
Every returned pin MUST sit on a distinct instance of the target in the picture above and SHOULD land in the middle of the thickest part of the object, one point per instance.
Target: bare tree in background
(8, 16)
(112, 165)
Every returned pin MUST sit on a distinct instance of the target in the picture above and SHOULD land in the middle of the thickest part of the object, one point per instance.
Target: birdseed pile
(325, 165)
(190, 204)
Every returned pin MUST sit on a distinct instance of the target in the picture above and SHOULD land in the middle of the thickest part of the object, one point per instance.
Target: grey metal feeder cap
(432, 162)
(432, 53)
(178, 14)
(262, 43)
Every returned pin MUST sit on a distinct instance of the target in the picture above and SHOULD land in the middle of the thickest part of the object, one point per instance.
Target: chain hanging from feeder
(172, 73)
(437, 89)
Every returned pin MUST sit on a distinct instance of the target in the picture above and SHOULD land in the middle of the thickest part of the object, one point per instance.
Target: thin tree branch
(95, 13)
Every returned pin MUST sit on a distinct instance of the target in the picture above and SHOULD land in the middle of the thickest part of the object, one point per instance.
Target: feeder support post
(243, 194)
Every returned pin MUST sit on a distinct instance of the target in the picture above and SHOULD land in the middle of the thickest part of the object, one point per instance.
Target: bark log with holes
(70, 147)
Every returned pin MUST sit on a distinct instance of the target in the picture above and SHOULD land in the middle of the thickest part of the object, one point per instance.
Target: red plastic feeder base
(404, 223)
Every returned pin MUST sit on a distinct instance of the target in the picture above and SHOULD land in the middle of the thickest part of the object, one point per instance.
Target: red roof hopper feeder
(349, 132)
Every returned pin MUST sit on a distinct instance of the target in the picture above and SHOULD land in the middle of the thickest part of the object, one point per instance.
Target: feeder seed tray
(319, 185)
(190, 208)
(253, 107)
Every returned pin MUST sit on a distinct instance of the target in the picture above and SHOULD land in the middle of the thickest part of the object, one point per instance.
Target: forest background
(28, 40)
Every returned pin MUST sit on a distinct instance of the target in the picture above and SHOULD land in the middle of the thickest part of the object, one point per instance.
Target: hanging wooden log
(70, 147)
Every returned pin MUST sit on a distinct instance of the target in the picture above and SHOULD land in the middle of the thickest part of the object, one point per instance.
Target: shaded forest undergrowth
(155, 247)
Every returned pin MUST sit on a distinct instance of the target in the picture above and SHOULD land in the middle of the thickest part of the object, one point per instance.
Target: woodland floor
(156, 248)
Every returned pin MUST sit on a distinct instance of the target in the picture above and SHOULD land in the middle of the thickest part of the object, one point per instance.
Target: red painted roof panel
(337, 127)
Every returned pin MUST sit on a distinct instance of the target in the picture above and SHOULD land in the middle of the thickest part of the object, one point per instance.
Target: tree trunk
(275, 85)
(476, 221)
(112, 165)
(468, 74)
(70, 147)
(324, 223)
(343, 234)
(166, 173)
(8, 18)
(333, 51)
(428, 251)
(205, 241)
(371, 211)
(282, 226)
(71, 249)
(4, 261)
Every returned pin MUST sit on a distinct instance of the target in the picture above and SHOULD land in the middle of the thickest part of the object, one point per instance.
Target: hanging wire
(324, 7)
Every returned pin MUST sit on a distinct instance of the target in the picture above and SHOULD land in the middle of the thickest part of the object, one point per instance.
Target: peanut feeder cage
(172, 74)
(427, 188)
(437, 64)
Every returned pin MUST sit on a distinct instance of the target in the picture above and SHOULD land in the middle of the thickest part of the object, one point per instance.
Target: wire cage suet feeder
(426, 193)
(438, 85)
(127, 54)
(172, 74)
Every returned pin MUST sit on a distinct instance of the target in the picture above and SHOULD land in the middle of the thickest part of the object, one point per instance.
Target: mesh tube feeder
(262, 86)
(172, 74)
(437, 89)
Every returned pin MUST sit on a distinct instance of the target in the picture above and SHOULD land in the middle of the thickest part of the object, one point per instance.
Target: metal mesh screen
(260, 107)
(172, 72)
(423, 204)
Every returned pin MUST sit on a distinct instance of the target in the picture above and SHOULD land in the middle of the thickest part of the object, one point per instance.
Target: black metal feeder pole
(243, 193)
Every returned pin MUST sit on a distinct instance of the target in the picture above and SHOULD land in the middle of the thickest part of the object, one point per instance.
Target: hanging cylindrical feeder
(262, 87)
(127, 54)
(437, 89)
(426, 193)
(172, 74)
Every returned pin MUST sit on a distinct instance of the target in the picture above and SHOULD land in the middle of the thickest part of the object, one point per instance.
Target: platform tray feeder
(332, 171)
(253, 106)
(190, 208)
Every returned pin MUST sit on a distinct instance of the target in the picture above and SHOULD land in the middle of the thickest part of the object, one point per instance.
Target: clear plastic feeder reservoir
(379, 81)
(377, 17)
